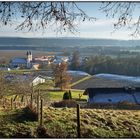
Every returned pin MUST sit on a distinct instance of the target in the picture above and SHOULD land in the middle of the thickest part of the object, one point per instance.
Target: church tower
(29, 59)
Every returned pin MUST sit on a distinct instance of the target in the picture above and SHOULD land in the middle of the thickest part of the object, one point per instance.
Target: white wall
(115, 98)
(38, 80)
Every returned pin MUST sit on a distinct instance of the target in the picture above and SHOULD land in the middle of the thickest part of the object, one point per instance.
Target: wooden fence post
(4, 103)
(11, 103)
(41, 113)
(31, 102)
(32, 92)
(78, 121)
(38, 99)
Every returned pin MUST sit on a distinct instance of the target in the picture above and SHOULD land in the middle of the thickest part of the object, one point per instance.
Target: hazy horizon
(70, 37)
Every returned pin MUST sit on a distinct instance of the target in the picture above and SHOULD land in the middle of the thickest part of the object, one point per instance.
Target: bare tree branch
(39, 15)
(124, 12)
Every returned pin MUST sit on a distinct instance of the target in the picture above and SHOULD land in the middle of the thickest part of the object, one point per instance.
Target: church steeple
(29, 58)
(27, 53)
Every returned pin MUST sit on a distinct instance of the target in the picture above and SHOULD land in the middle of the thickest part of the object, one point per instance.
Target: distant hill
(14, 42)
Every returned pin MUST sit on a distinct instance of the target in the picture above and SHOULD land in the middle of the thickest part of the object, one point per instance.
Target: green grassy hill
(61, 123)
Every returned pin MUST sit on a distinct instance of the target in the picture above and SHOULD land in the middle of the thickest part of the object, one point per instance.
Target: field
(61, 123)
(22, 53)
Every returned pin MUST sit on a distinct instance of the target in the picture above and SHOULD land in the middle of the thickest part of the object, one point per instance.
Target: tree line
(106, 64)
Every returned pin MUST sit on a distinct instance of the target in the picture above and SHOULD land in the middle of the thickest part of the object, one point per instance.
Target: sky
(102, 28)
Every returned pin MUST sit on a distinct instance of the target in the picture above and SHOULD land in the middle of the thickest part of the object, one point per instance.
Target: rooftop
(18, 60)
(107, 90)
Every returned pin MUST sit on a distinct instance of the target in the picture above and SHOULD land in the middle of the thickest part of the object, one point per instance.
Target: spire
(30, 53)
(27, 53)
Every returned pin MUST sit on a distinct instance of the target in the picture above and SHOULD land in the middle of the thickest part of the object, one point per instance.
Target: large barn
(113, 95)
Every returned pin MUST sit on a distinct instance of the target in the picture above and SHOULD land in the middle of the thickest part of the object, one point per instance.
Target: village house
(113, 95)
(38, 80)
(32, 80)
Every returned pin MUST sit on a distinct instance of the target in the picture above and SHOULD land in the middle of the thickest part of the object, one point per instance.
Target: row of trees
(106, 64)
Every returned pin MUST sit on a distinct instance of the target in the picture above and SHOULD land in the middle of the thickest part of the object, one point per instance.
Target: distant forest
(105, 64)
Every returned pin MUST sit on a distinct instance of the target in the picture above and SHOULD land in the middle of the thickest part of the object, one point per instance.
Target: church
(22, 62)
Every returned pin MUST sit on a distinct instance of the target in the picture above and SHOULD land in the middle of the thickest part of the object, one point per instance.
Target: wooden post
(38, 99)
(4, 103)
(41, 113)
(11, 103)
(31, 102)
(78, 121)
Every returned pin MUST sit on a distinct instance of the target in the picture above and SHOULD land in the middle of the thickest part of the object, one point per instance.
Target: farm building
(32, 80)
(113, 95)
(38, 80)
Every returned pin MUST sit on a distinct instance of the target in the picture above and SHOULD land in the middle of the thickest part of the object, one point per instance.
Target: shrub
(29, 114)
(65, 103)
(67, 95)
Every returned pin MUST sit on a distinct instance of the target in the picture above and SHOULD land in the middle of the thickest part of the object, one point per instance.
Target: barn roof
(111, 90)
(18, 60)
(98, 82)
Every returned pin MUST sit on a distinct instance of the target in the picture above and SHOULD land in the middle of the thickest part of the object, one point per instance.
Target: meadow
(61, 123)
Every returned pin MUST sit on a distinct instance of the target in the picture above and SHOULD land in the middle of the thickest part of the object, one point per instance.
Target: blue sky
(102, 28)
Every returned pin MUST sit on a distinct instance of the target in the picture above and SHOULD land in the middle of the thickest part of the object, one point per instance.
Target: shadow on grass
(26, 114)
(19, 115)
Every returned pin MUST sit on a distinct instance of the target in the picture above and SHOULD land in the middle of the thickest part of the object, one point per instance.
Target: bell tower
(29, 59)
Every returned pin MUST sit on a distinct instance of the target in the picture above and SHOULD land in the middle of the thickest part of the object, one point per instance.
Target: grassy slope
(58, 95)
(61, 123)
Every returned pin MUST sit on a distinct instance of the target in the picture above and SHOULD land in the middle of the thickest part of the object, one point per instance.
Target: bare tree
(62, 78)
(39, 15)
(124, 13)
(22, 87)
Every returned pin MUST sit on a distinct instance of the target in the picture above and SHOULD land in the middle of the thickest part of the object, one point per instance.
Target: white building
(60, 59)
(38, 80)
(113, 95)
(32, 80)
